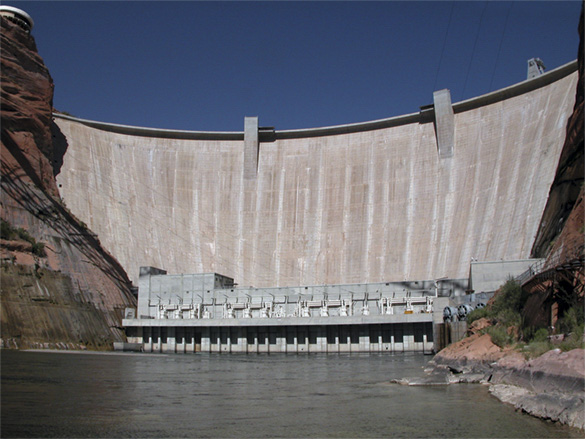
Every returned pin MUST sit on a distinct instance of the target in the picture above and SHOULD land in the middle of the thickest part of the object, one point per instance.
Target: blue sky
(205, 65)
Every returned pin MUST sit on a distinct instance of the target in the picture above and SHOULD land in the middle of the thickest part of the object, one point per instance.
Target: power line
(444, 44)
(473, 51)
(500, 45)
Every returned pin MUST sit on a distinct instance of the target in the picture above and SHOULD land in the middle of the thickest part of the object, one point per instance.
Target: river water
(50, 394)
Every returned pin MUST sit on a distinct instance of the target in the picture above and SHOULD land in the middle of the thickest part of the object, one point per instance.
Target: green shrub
(537, 348)
(499, 336)
(540, 335)
(528, 332)
(24, 235)
(7, 231)
(509, 317)
(574, 341)
(477, 314)
(571, 320)
(38, 248)
(508, 298)
(10, 232)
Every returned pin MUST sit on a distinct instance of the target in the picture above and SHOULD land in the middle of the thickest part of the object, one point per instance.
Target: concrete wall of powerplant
(408, 198)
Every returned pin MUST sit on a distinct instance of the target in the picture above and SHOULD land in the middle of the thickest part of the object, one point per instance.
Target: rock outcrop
(552, 372)
(75, 295)
(27, 104)
(551, 386)
(563, 408)
(471, 354)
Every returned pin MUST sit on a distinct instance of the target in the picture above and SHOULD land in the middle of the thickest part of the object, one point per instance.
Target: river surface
(50, 394)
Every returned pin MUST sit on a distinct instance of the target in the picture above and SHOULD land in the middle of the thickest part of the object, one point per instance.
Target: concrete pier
(414, 336)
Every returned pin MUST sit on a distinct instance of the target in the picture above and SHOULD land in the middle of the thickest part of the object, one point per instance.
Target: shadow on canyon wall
(75, 295)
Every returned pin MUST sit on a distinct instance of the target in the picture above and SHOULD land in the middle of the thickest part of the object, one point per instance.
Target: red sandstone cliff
(75, 295)
(27, 104)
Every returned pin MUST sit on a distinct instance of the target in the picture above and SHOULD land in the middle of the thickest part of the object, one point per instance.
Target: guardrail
(558, 258)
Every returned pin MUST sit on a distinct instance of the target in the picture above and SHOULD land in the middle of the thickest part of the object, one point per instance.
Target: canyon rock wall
(75, 294)
(367, 205)
(561, 233)
(561, 236)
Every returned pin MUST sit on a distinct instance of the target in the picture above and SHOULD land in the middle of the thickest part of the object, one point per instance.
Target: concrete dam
(414, 197)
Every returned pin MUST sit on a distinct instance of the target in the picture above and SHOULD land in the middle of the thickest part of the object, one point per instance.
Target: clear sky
(205, 65)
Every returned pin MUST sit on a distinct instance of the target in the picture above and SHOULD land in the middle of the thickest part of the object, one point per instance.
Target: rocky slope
(74, 295)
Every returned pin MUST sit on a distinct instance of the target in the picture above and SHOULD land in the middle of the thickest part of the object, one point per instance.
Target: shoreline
(550, 387)
(74, 352)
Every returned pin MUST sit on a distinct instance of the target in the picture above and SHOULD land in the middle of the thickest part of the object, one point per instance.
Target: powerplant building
(207, 312)
(375, 216)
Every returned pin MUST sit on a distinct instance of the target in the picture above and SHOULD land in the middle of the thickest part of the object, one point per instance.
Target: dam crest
(416, 196)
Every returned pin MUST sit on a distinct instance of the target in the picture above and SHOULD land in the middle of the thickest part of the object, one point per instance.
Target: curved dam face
(320, 207)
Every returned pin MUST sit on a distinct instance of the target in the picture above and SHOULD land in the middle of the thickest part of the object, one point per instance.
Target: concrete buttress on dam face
(368, 206)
